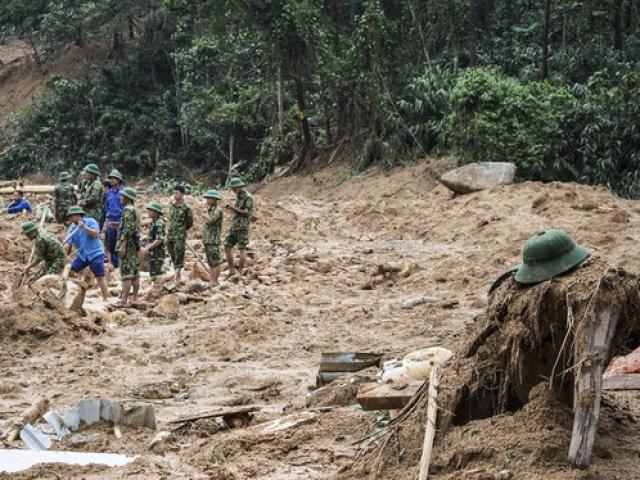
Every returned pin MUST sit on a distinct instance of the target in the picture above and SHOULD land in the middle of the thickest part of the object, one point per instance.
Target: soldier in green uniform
(48, 249)
(64, 197)
(180, 220)
(155, 240)
(239, 231)
(128, 247)
(92, 196)
(211, 234)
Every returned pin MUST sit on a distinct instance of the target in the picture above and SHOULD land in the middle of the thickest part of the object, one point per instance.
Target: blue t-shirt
(114, 205)
(87, 246)
(20, 205)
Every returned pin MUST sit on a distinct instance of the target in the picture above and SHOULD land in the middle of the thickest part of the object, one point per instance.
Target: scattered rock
(79, 439)
(195, 286)
(414, 302)
(479, 176)
(168, 306)
(504, 475)
(323, 267)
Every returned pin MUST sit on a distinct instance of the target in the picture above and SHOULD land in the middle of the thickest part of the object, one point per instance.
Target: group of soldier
(104, 226)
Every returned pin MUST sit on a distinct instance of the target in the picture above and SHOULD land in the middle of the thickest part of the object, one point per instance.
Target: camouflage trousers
(155, 267)
(130, 264)
(51, 267)
(237, 237)
(176, 249)
(213, 254)
(61, 214)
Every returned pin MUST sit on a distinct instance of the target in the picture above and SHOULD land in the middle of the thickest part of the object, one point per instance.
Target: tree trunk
(280, 101)
(545, 39)
(618, 28)
(304, 122)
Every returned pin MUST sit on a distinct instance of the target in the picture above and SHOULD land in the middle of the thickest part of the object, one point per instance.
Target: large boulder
(479, 176)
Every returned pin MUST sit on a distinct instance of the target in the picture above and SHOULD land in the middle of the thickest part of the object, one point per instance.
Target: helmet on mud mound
(64, 176)
(116, 174)
(92, 168)
(212, 194)
(548, 254)
(155, 206)
(236, 182)
(29, 227)
(130, 193)
(75, 210)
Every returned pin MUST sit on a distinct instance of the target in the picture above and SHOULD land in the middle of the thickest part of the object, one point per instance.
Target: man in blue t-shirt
(84, 234)
(114, 209)
(19, 203)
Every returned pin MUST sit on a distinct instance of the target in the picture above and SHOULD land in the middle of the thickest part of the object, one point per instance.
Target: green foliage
(495, 118)
(199, 87)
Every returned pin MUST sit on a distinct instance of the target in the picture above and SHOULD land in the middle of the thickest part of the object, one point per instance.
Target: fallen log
(27, 189)
(30, 416)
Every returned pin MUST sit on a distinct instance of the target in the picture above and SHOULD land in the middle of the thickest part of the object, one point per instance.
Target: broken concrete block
(34, 438)
(57, 423)
(138, 416)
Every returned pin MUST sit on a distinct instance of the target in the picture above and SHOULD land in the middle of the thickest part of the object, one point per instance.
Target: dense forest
(551, 85)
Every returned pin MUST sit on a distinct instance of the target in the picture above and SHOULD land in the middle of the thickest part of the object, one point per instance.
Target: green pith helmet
(29, 227)
(92, 168)
(130, 193)
(75, 210)
(236, 182)
(212, 194)
(155, 206)
(548, 254)
(116, 174)
(64, 176)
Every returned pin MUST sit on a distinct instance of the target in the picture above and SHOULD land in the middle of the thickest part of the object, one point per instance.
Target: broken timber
(386, 396)
(588, 383)
(430, 430)
(230, 412)
(30, 416)
(624, 381)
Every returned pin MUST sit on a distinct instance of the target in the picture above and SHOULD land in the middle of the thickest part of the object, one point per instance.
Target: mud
(334, 256)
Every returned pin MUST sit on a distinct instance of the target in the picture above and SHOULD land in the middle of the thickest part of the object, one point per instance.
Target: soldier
(113, 214)
(239, 231)
(48, 249)
(84, 234)
(92, 197)
(128, 246)
(180, 220)
(155, 241)
(211, 234)
(64, 197)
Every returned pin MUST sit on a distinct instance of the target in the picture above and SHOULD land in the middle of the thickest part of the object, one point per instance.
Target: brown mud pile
(495, 397)
(334, 256)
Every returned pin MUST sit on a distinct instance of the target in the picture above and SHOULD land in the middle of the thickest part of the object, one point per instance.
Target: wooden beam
(622, 381)
(588, 383)
(383, 396)
(430, 430)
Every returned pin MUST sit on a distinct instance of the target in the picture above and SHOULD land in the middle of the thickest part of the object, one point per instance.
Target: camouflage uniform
(211, 237)
(65, 196)
(48, 249)
(156, 256)
(239, 231)
(93, 199)
(180, 220)
(129, 228)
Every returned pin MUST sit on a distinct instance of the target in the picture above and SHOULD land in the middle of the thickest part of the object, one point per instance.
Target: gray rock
(79, 439)
(479, 176)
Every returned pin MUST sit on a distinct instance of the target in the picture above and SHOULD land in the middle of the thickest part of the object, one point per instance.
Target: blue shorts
(96, 265)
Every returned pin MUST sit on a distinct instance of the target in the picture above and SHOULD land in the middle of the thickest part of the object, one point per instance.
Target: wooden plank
(348, 361)
(430, 429)
(383, 396)
(220, 413)
(622, 381)
(588, 383)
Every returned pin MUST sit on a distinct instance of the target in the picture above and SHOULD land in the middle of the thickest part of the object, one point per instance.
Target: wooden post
(430, 430)
(587, 392)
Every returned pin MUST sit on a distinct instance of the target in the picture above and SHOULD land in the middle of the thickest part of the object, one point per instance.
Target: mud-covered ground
(319, 241)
